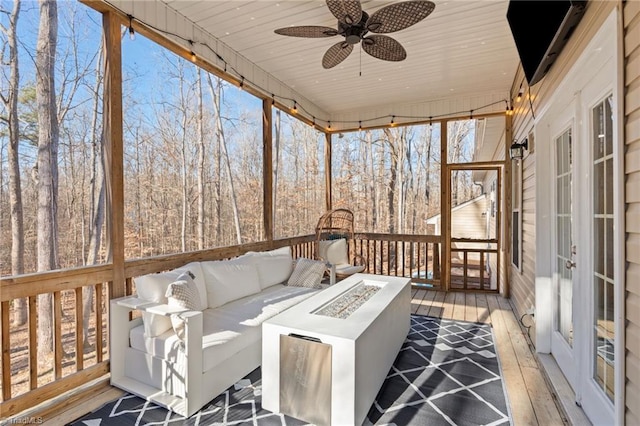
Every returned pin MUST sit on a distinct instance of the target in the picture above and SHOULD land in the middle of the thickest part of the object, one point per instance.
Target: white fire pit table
(325, 359)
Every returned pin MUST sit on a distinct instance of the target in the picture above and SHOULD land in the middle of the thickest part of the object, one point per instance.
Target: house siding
(522, 282)
(631, 43)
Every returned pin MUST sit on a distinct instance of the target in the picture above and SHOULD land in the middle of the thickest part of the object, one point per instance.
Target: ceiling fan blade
(347, 11)
(399, 16)
(383, 47)
(336, 54)
(308, 31)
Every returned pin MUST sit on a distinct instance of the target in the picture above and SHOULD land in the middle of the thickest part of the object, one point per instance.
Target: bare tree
(97, 194)
(10, 101)
(216, 97)
(276, 160)
(47, 164)
(201, 156)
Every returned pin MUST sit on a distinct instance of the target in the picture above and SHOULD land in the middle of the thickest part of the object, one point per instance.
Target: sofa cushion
(334, 251)
(229, 280)
(228, 329)
(153, 287)
(274, 267)
(307, 273)
(183, 293)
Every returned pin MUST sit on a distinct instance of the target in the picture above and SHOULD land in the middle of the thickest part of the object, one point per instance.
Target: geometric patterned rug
(447, 373)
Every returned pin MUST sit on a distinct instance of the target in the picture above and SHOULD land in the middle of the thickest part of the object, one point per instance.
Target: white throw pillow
(274, 267)
(153, 287)
(307, 273)
(183, 293)
(229, 280)
(334, 251)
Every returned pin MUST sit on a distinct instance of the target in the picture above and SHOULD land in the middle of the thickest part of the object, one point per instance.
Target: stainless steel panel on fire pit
(305, 379)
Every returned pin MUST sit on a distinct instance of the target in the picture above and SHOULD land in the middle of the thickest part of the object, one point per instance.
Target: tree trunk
(201, 156)
(97, 194)
(47, 164)
(15, 187)
(276, 162)
(216, 96)
(372, 183)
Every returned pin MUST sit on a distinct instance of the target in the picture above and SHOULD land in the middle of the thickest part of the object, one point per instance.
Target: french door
(579, 167)
(565, 250)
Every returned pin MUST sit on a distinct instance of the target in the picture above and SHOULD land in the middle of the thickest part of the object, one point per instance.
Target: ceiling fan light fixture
(354, 25)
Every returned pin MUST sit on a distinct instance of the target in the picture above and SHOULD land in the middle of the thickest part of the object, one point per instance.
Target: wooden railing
(28, 379)
(474, 267)
(412, 256)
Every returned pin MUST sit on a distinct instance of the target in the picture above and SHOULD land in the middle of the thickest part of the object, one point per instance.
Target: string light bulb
(393, 121)
(241, 85)
(328, 125)
(520, 93)
(132, 33)
(193, 56)
(273, 99)
(295, 108)
(360, 125)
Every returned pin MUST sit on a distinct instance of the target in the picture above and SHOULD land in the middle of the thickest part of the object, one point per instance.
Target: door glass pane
(564, 240)
(603, 248)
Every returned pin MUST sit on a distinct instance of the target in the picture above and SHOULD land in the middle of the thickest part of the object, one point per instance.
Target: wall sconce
(516, 152)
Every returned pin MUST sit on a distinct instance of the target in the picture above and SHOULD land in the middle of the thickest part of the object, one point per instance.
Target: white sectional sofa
(182, 358)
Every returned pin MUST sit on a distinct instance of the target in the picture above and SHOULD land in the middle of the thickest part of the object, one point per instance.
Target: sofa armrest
(134, 303)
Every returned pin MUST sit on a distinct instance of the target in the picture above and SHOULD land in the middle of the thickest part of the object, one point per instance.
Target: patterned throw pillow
(183, 293)
(307, 273)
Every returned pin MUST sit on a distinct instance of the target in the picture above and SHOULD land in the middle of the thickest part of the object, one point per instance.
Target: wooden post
(506, 253)
(327, 171)
(113, 150)
(445, 208)
(267, 169)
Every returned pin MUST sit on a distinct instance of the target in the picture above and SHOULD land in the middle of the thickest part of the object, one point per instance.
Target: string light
(314, 121)
(132, 33)
(393, 121)
(229, 69)
(295, 108)
(192, 53)
(520, 93)
(471, 115)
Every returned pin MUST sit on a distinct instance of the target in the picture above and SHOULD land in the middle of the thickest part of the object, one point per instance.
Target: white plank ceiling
(460, 57)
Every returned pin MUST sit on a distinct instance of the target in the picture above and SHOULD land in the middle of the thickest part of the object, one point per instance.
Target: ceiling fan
(354, 25)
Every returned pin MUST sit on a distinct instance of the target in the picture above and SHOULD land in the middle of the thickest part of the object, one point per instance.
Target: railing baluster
(6, 352)
(33, 344)
(418, 245)
(128, 286)
(57, 334)
(481, 270)
(79, 331)
(98, 308)
(465, 270)
(375, 257)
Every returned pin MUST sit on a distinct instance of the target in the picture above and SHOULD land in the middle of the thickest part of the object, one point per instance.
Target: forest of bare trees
(193, 158)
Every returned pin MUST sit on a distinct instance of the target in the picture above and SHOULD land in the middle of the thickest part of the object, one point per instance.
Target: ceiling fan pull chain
(361, 60)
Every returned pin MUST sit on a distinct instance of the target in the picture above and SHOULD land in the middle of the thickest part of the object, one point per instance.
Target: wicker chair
(335, 242)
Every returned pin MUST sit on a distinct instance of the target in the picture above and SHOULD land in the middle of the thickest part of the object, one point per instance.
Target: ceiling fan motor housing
(354, 33)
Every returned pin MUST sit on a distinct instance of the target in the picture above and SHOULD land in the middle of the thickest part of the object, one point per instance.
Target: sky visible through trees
(193, 155)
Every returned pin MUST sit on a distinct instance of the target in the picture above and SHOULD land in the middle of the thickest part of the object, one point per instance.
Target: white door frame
(596, 68)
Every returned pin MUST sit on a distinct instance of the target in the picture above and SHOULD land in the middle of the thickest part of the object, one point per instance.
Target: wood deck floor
(530, 398)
